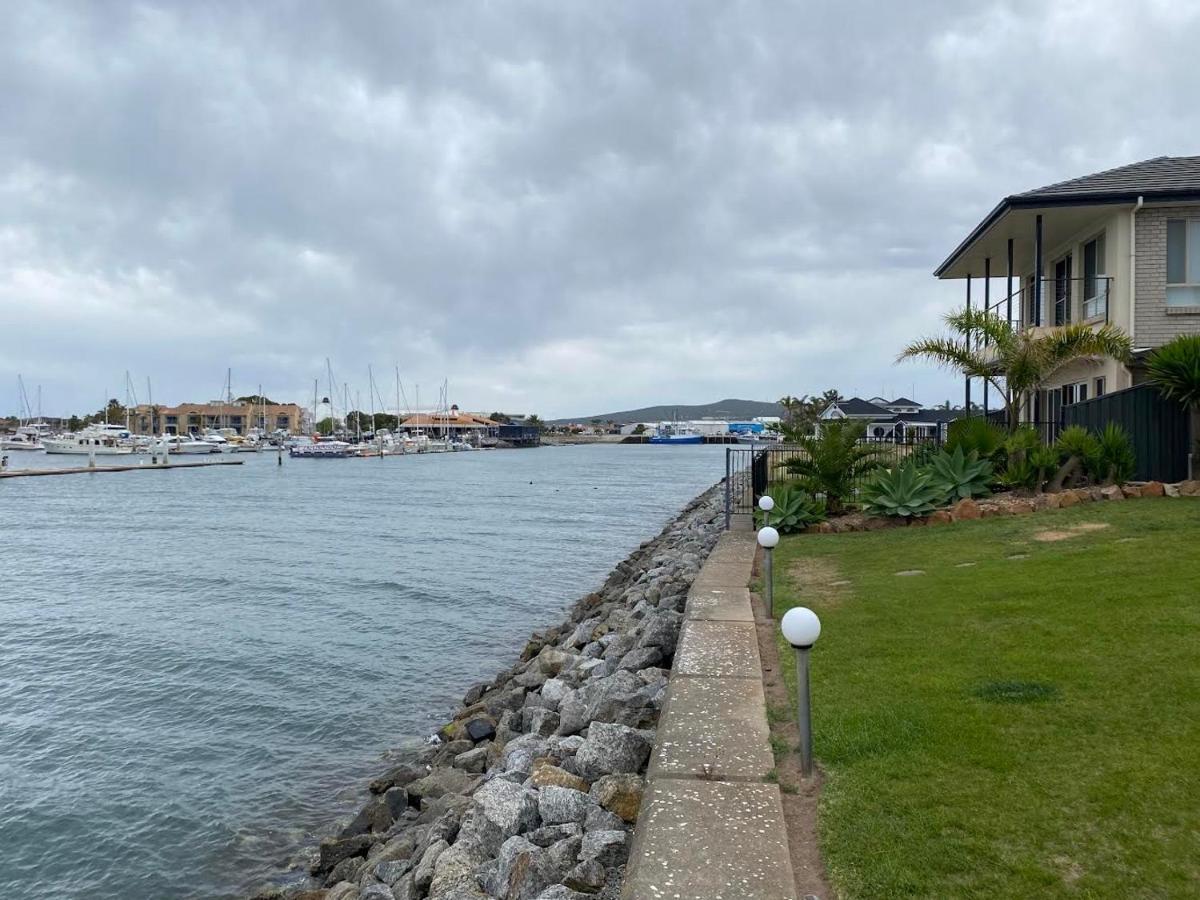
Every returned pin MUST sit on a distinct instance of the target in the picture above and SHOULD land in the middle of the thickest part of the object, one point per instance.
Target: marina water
(200, 669)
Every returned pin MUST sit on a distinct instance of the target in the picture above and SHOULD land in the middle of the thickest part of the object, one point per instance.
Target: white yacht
(27, 437)
(98, 440)
(186, 444)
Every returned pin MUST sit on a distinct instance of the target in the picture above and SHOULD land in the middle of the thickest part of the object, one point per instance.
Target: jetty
(141, 467)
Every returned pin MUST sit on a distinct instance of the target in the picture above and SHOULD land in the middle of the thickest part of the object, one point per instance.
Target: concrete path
(711, 827)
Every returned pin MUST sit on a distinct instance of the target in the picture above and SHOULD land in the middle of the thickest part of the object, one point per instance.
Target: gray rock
(398, 776)
(474, 761)
(564, 855)
(454, 872)
(640, 658)
(553, 692)
(347, 870)
(342, 891)
(599, 819)
(423, 873)
(557, 805)
(587, 877)
(406, 888)
(524, 870)
(661, 630)
(376, 892)
(611, 748)
(552, 834)
(442, 780)
(390, 870)
(561, 892)
(506, 807)
(335, 850)
(475, 693)
(520, 753)
(481, 729)
(599, 700)
(606, 847)
(539, 720)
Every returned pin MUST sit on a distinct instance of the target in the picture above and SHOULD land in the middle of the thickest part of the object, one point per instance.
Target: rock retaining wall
(531, 790)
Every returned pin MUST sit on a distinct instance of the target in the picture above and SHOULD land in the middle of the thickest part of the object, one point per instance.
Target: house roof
(856, 406)
(447, 420)
(1161, 179)
(903, 401)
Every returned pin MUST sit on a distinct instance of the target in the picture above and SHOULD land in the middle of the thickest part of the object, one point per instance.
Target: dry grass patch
(1072, 532)
(818, 579)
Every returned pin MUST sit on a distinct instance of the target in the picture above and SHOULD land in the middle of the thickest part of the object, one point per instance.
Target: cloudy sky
(561, 207)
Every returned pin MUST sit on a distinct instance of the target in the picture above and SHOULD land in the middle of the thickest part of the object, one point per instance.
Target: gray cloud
(561, 207)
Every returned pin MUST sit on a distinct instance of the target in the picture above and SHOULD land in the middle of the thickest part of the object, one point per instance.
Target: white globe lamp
(800, 626)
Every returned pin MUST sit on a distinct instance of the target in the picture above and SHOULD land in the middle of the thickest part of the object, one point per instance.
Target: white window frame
(1191, 268)
(1097, 305)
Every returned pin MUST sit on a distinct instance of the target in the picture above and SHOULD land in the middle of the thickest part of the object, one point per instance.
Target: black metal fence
(751, 472)
(1157, 427)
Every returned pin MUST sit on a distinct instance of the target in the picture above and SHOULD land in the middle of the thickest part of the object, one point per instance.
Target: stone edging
(1010, 505)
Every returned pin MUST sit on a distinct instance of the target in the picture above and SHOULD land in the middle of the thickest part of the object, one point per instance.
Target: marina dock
(146, 467)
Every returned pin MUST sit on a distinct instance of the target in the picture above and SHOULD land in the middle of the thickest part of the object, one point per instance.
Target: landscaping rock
(520, 753)
(524, 870)
(442, 780)
(545, 774)
(474, 761)
(600, 819)
(966, 509)
(605, 847)
(588, 877)
(510, 808)
(1112, 492)
(1153, 489)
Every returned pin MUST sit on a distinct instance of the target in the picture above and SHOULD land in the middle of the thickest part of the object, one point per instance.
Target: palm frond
(948, 353)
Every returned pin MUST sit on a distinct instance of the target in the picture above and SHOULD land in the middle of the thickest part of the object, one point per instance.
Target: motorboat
(27, 437)
(95, 440)
(186, 445)
(763, 437)
(331, 449)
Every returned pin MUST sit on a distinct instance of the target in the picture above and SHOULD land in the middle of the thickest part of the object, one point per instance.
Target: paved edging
(711, 826)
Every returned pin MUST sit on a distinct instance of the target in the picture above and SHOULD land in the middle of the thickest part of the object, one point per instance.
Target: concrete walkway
(711, 826)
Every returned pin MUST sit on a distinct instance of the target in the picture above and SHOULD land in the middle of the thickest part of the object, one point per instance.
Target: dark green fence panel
(1158, 428)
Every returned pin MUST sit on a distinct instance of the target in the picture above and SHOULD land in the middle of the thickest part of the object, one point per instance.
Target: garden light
(768, 539)
(801, 627)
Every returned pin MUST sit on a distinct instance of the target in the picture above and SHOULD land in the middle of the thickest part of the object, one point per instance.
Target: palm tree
(834, 461)
(1015, 362)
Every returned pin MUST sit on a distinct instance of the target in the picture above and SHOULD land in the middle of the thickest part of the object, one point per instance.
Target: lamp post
(766, 504)
(801, 627)
(768, 538)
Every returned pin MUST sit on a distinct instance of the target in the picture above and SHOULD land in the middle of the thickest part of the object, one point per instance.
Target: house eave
(1058, 201)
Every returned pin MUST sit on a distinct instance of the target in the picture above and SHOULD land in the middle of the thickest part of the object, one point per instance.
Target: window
(1183, 262)
(1074, 393)
(1095, 283)
(1100, 386)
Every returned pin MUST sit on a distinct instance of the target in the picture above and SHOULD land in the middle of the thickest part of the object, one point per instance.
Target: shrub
(959, 475)
(903, 491)
(1115, 460)
(794, 510)
(975, 434)
(1077, 449)
(1175, 369)
(834, 460)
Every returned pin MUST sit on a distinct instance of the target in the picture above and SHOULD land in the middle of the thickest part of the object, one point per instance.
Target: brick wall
(1155, 323)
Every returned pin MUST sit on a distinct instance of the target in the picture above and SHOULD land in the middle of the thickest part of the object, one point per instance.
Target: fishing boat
(95, 440)
(676, 434)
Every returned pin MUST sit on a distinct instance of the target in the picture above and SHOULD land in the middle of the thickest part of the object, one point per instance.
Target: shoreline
(520, 796)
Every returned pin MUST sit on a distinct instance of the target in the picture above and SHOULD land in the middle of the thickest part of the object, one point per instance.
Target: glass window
(1176, 251)
(1183, 262)
(1095, 285)
(1100, 386)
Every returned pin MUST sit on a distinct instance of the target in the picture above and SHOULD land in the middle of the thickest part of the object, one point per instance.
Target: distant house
(892, 420)
(453, 423)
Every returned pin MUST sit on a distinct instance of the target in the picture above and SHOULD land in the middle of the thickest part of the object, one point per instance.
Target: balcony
(1061, 301)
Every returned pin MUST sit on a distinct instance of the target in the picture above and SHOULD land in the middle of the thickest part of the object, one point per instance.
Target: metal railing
(1062, 301)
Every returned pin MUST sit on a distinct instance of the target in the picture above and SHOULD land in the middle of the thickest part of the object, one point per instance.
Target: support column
(987, 311)
(967, 338)
(1007, 392)
(1037, 271)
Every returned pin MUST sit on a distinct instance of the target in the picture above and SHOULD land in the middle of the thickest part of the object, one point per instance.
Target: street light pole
(801, 628)
(768, 539)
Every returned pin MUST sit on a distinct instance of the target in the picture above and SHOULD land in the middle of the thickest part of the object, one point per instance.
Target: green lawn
(1020, 727)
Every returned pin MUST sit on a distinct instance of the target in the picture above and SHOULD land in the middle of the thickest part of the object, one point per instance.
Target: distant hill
(736, 410)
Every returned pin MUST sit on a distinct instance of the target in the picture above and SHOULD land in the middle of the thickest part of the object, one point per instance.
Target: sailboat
(29, 434)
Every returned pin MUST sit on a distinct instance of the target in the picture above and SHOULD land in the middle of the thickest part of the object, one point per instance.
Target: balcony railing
(1062, 302)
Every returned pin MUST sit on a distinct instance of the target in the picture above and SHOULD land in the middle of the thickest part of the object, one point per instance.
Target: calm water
(198, 669)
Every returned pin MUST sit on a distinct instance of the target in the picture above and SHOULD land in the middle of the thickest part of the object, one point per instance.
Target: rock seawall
(531, 790)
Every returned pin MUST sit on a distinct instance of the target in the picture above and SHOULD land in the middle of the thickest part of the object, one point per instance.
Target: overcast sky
(563, 208)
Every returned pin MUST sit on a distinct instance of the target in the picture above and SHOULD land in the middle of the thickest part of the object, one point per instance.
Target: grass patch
(1024, 726)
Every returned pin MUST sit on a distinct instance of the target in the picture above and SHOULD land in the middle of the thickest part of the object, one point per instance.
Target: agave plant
(959, 475)
(794, 510)
(833, 461)
(975, 434)
(903, 491)
(1077, 450)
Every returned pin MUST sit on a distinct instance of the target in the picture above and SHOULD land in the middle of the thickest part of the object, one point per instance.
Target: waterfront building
(187, 418)
(452, 423)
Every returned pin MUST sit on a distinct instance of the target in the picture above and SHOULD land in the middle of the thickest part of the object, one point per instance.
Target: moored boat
(95, 440)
